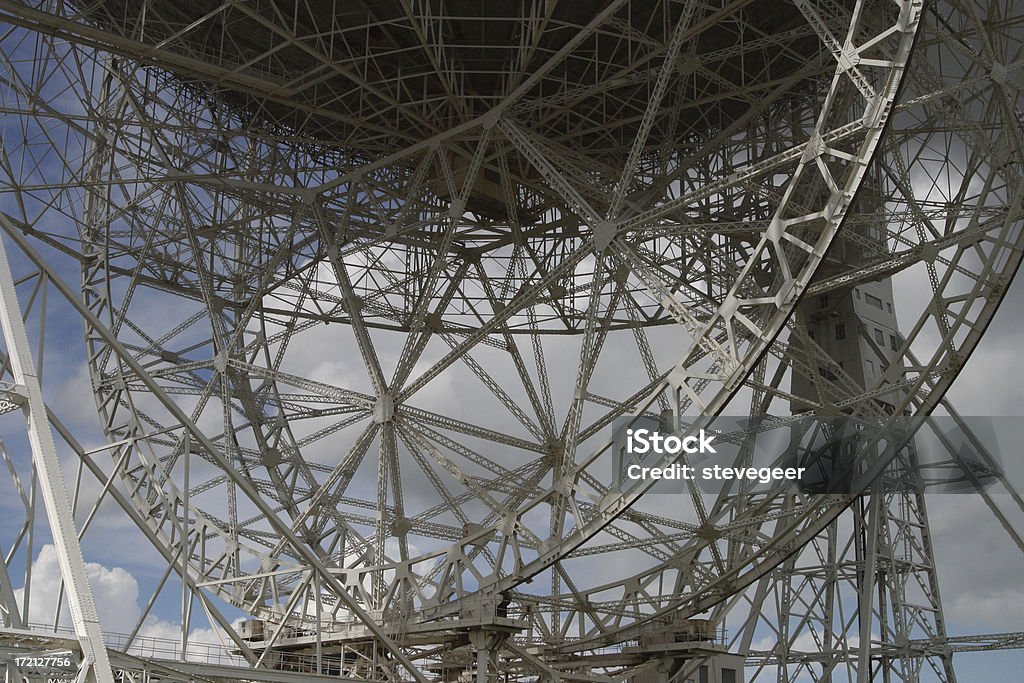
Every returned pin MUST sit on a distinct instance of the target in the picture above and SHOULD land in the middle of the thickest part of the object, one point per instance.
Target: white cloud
(162, 639)
(116, 593)
(979, 567)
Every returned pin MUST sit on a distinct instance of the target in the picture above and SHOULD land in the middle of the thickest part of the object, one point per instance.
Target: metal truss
(23, 391)
(363, 292)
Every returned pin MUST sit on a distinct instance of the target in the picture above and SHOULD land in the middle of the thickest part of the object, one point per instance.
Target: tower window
(893, 344)
(840, 331)
(880, 337)
(873, 300)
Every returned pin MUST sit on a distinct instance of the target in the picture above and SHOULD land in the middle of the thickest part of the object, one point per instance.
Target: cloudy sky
(979, 568)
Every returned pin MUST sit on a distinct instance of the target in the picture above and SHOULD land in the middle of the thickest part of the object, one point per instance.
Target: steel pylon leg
(95, 666)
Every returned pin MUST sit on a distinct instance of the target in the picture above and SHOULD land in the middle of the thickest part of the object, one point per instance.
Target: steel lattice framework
(365, 286)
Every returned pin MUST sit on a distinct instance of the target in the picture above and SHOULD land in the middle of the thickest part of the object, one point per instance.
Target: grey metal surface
(628, 210)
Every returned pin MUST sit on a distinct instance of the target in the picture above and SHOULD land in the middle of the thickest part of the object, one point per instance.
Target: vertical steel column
(95, 662)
